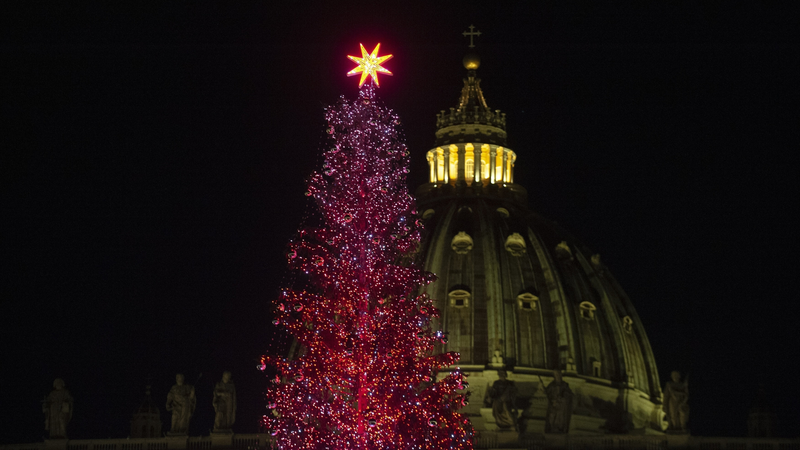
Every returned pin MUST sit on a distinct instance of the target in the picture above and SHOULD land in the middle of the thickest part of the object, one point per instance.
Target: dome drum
(479, 164)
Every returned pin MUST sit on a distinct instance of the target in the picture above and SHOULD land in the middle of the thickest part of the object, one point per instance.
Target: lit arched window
(469, 163)
(512, 157)
(439, 164)
(485, 158)
(498, 165)
(432, 166)
(453, 162)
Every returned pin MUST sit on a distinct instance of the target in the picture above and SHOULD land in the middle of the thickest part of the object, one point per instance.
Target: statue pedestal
(507, 439)
(503, 439)
(532, 426)
(55, 444)
(585, 425)
(176, 441)
(678, 440)
(489, 422)
(222, 439)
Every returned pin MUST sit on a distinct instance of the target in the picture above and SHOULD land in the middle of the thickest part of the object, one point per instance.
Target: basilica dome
(519, 294)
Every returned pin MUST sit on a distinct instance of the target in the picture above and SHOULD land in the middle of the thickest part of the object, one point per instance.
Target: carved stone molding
(587, 310)
(459, 298)
(527, 301)
(515, 244)
(461, 243)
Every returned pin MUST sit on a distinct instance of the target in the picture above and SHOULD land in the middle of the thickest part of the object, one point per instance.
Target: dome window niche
(459, 298)
(598, 265)
(627, 324)
(587, 310)
(563, 251)
(597, 369)
(515, 244)
(527, 301)
(461, 243)
(503, 212)
(596, 260)
(428, 214)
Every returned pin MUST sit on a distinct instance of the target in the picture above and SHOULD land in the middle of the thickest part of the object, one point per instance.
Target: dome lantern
(471, 148)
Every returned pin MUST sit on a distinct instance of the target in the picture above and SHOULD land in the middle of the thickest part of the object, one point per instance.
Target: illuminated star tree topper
(369, 65)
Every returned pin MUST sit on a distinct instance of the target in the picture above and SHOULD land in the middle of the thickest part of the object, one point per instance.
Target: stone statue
(224, 403)
(676, 402)
(181, 402)
(57, 408)
(559, 405)
(500, 396)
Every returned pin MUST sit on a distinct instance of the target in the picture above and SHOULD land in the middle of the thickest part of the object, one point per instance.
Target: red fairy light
(361, 377)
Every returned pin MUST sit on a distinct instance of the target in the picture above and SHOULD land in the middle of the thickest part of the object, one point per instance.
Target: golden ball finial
(472, 61)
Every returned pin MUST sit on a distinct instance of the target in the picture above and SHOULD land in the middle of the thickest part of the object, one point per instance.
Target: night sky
(154, 159)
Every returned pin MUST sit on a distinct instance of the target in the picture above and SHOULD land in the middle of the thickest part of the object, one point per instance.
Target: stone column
(492, 163)
(432, 163)
(478, 152)
(446, 153)
(505, 167)
(462, 163)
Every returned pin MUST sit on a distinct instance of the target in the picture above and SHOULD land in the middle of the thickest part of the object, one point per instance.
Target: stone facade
(487, 440)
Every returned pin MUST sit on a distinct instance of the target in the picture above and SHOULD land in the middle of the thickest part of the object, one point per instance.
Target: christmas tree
(365, 372)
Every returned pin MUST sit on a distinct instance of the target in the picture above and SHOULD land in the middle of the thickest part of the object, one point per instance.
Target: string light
(365, 375)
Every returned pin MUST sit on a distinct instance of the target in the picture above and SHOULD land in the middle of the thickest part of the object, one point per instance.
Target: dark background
(153, 164)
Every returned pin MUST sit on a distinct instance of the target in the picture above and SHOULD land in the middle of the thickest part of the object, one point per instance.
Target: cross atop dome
(472, 33)
(471, 60)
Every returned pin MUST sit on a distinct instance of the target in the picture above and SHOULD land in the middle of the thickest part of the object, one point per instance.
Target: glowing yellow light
(369, 64)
